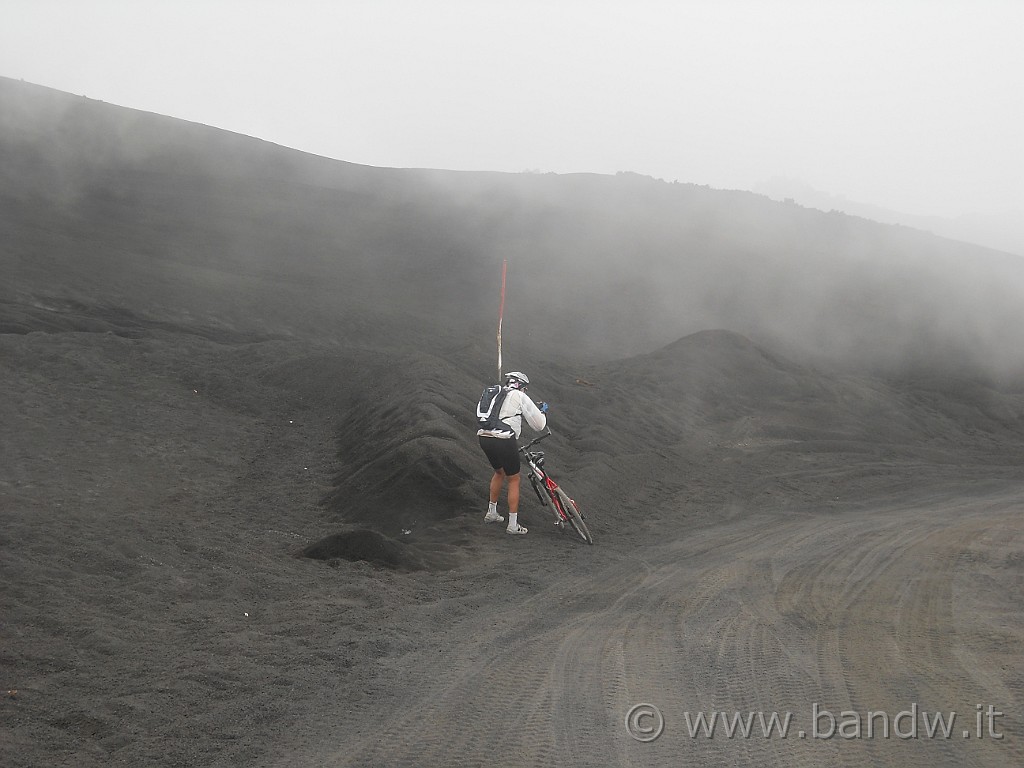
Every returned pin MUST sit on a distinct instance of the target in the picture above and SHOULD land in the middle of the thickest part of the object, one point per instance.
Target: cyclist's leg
(512, 466)
(513, 493)
(513, 505)
(491, 450)
(496, 482)
(504, 455)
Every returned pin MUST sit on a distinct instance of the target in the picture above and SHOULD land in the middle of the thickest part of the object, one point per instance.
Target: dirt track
(874, 610)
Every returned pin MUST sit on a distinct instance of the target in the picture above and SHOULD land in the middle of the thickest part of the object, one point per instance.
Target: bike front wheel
(572, 513)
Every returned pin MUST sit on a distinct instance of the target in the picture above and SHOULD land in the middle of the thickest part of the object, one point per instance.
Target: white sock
(512, 522)
(492, 506)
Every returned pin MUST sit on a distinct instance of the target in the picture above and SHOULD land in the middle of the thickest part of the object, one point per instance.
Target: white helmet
(517, 380)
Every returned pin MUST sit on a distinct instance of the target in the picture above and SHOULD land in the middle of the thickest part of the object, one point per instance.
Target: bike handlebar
(535, 440)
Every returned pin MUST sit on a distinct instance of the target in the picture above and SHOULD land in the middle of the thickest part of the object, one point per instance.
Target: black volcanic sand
(241, 496)
(767, 537)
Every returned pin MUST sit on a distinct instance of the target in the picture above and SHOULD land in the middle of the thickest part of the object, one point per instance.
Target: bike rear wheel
(572, 512)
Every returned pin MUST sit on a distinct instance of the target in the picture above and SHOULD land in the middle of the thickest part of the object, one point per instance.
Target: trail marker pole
(501, 312)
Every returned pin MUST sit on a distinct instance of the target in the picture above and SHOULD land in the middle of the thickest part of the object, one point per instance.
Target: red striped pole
(501, 312)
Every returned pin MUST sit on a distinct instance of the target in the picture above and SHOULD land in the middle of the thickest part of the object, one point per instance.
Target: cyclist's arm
(531, 412)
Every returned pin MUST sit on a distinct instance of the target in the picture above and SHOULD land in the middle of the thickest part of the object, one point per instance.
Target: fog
(242, 234)
(909, 105)
(1003, 231)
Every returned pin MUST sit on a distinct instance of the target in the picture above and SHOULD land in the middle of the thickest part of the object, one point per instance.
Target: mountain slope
(189, 224)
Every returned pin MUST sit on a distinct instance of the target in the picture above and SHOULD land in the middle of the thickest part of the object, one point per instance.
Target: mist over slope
(111, 207)
(241, 493)
(384, 282)
(1001, 231)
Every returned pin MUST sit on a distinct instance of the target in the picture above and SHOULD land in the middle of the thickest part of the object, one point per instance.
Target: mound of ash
(720, 387)
(406, 452)
(369, 546)
(717, 367)
(695, 386)
(408, 459)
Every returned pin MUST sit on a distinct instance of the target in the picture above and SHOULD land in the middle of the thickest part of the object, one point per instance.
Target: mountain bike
(550, 494)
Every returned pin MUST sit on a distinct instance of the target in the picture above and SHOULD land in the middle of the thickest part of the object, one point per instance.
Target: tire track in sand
(766, 612)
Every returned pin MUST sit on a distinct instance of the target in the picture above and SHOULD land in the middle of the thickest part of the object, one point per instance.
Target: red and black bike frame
(536, 463)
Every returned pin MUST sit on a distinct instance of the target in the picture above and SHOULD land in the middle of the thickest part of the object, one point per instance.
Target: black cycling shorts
(502, 452)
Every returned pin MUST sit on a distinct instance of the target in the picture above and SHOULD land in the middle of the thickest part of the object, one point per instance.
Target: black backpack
(489, 408)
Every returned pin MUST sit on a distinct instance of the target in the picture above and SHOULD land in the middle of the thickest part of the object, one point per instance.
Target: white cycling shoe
(519, 529)
(493, 517)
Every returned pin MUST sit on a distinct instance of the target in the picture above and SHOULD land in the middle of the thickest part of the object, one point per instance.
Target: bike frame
(538, 475)
(563, 506)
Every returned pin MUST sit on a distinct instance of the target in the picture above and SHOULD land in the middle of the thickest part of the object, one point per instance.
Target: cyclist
(502, 450)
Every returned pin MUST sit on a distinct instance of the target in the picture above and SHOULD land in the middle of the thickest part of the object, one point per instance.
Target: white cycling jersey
(517, 405)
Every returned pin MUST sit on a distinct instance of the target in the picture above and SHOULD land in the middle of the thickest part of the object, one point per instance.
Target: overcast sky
(917, 105)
